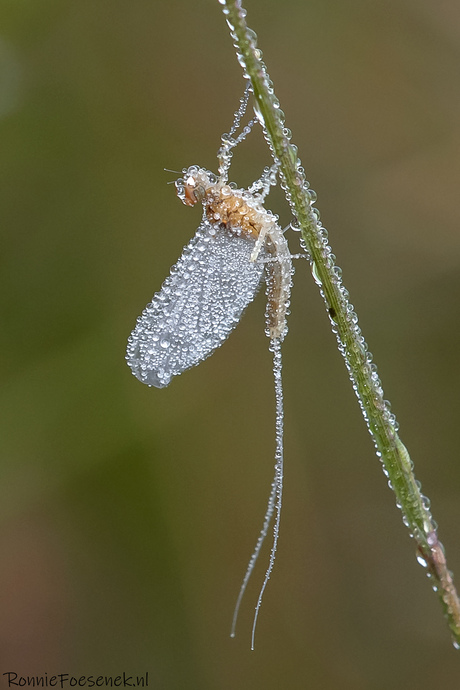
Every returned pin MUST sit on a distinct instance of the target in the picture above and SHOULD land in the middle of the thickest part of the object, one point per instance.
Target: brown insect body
(241, 213)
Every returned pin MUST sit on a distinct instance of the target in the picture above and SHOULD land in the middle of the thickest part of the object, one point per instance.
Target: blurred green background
(128, 514)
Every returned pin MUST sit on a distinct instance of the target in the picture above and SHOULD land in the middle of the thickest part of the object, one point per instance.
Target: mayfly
(237, 245)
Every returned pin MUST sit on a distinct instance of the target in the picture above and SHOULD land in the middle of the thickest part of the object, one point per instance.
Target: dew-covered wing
(197, 307)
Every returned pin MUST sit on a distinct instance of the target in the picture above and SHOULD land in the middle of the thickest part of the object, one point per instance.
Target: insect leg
(265, 181)
(259, 243)
(224, 155)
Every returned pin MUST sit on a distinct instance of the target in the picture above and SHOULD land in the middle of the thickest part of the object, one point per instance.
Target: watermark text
(65, 680)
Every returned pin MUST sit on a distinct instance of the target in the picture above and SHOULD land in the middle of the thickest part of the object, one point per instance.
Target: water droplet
(315, 274)
(258, 113)
(421, 561)
(432, 538)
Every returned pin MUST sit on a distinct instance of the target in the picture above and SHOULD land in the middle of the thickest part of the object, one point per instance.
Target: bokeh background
(128, 514)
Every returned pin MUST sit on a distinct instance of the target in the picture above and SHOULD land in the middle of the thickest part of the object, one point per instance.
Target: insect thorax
(236, 209)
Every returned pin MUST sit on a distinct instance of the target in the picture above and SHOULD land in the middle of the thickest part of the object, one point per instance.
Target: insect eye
(197, 192)
(189, 196)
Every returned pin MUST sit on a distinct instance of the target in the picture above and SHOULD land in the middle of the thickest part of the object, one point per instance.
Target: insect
(237, 246)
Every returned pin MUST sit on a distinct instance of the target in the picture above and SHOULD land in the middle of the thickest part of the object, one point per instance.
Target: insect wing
(197, 307)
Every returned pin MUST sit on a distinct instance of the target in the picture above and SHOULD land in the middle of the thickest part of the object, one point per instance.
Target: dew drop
(258, 113)
(241, 60)
(421, 561)
(431, 538)
(315, 274)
